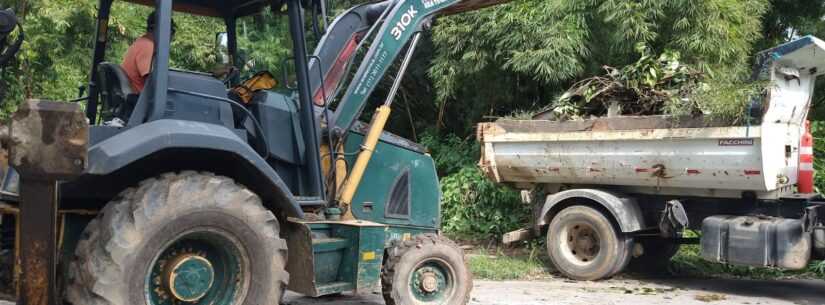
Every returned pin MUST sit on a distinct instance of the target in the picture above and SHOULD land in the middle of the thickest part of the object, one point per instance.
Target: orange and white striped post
(805, 180)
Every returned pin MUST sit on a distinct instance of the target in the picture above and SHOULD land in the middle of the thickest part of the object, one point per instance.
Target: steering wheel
(226, 74)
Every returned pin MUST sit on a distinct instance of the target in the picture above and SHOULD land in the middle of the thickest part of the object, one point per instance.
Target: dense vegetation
(516, 57)
(523, 56)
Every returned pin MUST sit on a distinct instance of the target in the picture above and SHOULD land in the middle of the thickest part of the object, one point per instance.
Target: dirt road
(619, 292)
(623, 291)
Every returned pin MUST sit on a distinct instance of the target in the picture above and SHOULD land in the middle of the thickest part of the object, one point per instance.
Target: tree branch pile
(653, 85)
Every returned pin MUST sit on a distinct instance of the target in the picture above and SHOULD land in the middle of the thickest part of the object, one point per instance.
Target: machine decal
(735, 142)
(431, 3)
(405, 18)
(367, 255)
(402, 24)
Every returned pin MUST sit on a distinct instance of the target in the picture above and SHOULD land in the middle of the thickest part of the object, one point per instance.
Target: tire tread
(397, 250)
(116, 233)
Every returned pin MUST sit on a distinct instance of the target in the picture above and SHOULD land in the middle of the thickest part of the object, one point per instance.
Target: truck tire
(584, 245)
(188, 238)
(427, 269)
(655, 257)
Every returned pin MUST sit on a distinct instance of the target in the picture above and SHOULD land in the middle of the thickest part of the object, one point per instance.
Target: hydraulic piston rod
(379, 120)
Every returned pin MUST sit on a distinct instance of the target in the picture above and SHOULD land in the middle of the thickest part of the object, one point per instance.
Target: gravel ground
(616, 292)
(622, 291)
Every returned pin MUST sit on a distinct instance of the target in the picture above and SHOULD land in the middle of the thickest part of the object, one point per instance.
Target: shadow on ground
(796, 291)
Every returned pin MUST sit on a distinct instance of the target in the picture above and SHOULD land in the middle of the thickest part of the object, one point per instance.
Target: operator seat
(116, 93)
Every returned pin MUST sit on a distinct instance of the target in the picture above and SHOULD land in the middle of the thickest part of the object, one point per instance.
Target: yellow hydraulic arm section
(401, 19)
(379, 120)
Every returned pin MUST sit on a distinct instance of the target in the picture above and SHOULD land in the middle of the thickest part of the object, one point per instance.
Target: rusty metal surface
(6, 208)
(48, 140)
(38, 249)
(301, 265)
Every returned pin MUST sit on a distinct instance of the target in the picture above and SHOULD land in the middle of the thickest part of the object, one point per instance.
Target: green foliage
(818, 132)
(473, 206)
(655, 85)
(534, 48)
(728, 97)
(689, 262)
(450, 152)
(651, 85)
(791, 17)
(56, 55)
(502, 267)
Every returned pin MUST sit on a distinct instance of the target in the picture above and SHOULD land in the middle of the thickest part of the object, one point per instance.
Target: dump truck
(620, 191)
(205, 189)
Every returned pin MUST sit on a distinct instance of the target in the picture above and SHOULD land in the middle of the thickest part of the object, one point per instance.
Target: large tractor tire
(189, 238)
(427, 269)
(584, 245)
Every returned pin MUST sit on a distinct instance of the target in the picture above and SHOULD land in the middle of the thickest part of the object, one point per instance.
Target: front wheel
(584, 245)
(189, 238)
(428, 269)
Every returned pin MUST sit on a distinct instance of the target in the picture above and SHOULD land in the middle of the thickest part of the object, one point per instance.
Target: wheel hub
(429, 282)
(583, 242)
(189, 277)
(199, 268)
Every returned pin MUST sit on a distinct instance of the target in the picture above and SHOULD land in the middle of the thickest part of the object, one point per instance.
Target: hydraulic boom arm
(401, 19)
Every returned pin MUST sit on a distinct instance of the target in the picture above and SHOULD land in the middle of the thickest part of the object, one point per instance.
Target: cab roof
(214, 8)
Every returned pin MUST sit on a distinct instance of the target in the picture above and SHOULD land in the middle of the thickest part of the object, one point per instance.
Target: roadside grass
(508, 264)
(529, 262)
(688, 262)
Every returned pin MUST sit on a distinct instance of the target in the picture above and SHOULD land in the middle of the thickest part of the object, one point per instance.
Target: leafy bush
(651, 85)
(818, 131)
(472, 206)
(450, 152)
(662, 84)
(475, 207)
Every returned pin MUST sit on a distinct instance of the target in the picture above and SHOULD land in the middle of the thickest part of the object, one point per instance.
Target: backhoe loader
(197, 197)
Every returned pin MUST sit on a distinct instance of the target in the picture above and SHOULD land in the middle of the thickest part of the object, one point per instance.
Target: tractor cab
(113, 101)
(273, 126)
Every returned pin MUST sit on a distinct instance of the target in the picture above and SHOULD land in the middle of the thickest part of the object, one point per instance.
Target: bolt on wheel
(433, 281)
(582, 242)
(426, 270)
(198, 268)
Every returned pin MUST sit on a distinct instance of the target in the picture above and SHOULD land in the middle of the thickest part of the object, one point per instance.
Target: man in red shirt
(138, 59)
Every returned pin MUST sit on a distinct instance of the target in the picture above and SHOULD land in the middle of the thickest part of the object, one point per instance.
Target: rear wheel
(428, 269)
(189, 238)
(584, 245)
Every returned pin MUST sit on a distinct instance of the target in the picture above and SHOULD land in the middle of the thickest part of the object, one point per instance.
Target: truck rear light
(805, 180)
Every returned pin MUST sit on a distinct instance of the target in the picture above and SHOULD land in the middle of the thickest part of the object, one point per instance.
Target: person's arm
(144, 58)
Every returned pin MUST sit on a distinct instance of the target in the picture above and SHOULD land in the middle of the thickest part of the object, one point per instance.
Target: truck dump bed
(668, 155)
(641, 152)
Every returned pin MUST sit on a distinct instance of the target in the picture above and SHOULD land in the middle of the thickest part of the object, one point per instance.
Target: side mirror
(222, 47)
